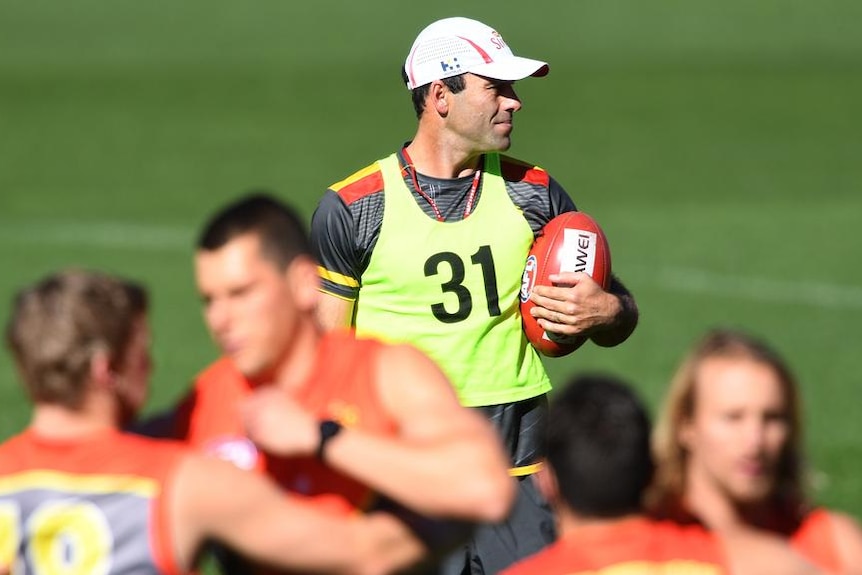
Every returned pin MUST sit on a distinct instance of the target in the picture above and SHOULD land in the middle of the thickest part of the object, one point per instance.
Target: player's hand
(278, 424)
(574, 305)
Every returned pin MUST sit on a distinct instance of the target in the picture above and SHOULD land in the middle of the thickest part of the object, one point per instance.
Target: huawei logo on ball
(570, 242)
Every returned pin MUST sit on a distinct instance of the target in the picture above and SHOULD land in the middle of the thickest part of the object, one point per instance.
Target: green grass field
(719, 144)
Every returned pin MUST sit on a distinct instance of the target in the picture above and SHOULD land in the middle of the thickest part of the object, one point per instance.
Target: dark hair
(420, 93)
(598, 437)
(58, 323)
(282, 233)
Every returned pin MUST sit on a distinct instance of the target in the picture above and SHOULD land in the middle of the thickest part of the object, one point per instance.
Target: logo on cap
(450, 64)
(497, 40)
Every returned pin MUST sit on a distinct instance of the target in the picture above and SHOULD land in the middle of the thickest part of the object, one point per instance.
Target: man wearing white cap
(428, 246)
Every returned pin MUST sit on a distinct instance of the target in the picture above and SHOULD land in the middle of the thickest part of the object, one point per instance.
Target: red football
(571, 242)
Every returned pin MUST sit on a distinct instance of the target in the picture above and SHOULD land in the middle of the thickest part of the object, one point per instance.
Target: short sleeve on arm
(560, 200)
(333, 244)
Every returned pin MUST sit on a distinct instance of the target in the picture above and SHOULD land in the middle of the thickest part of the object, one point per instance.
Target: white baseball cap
(454, 46)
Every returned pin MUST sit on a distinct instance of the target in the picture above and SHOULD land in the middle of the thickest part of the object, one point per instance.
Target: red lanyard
(470, 198)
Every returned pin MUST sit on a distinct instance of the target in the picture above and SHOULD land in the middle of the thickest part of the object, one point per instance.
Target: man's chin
(504, 144)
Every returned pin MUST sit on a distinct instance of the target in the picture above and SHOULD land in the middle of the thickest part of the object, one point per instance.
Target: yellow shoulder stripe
(336, 278)
(368, 170)
(525, 470)
(78, 483)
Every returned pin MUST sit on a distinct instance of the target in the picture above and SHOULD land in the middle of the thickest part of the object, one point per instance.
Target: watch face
(328, 430)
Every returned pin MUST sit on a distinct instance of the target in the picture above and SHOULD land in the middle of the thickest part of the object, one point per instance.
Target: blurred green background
(718, 143)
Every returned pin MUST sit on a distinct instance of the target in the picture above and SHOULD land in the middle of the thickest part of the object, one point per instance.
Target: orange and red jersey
(808, 531)
(635, 546)
(814, 539)
(92, 505)
(342, 388)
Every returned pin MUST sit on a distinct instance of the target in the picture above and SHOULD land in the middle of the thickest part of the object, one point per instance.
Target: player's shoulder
(843, 530)
(429, 384)
(16, 448)
(360, 184)
(395, 349)
(377, 348)
(344, 346)
(843, 525)
(515, 170)
(21, 438)
(125, 453)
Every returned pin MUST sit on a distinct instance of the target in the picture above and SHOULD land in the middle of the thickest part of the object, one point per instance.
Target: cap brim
(511, 69)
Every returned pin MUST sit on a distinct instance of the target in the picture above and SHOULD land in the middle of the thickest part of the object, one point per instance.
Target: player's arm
(580, 306)
(213, 500)
(445, 460)
(623, 319)
(334, 312)
(333, 240)
(576, 304)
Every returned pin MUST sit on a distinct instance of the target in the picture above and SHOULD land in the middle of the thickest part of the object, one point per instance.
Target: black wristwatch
(328, 429)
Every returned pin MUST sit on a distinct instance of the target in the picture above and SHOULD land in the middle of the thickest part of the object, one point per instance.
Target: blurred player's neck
(296, 368)
(58, 422)
(708, 502)
(569, 522)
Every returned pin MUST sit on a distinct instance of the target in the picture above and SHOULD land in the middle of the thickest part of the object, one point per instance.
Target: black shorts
(530, 525)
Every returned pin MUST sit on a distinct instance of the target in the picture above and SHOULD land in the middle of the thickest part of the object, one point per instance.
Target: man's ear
(438, 95)
(101, 373)
(304, 282)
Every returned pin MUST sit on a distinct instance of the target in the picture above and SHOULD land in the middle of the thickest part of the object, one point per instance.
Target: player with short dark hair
(352, 422)
(728, 447)
(281, 231)
(597, 429)
(598, 467)
(78, 495)
(428, 246)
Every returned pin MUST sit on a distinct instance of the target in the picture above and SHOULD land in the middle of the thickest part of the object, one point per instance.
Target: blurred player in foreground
(77, 495)
(336, 417)
(728, 453)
